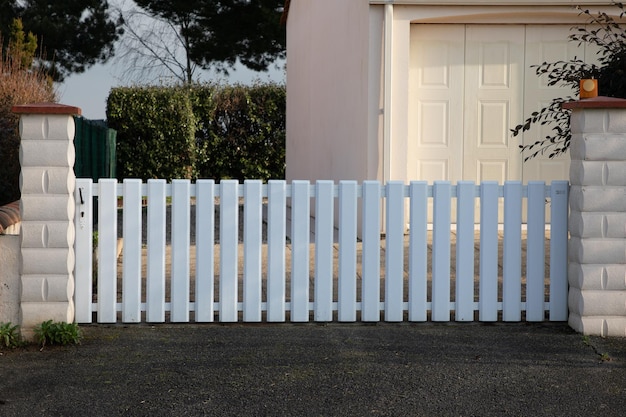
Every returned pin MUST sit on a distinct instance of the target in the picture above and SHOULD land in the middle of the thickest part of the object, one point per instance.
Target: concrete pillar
(10, 289)
(47, 210)
(597, 224)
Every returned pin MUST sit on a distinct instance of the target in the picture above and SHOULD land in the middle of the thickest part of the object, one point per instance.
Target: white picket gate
(265, 276)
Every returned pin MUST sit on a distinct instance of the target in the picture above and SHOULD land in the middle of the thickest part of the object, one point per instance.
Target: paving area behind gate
(193, 254)
(216, 255)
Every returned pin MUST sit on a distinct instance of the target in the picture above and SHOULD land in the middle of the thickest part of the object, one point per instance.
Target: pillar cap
(600, 102)
(46, 108)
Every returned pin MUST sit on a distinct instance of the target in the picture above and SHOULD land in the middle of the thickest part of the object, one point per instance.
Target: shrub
(20, 85)
(207, 131)
(241, 133)
(610, 39)
(155, 132)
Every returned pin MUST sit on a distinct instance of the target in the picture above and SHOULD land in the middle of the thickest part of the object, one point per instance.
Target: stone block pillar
(597, 224)
(47, 210)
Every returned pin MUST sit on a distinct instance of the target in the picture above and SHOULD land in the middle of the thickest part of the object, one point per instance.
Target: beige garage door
(469, 85)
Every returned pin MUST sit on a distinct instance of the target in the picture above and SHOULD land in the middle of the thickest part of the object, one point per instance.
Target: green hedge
(155, 132)
(199, 131)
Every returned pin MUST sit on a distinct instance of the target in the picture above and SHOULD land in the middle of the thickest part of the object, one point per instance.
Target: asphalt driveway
(319, 370)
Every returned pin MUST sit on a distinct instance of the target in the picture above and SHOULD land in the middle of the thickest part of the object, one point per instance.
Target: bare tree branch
(153, 50)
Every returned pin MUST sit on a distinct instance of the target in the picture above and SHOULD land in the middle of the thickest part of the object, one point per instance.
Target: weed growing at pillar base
(57, 333)
(9, 336)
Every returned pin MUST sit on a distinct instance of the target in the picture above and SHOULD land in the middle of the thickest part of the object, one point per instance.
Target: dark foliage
(218, 33)
(73, 34)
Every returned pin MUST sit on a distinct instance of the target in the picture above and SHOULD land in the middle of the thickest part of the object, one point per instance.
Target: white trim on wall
(493, 2)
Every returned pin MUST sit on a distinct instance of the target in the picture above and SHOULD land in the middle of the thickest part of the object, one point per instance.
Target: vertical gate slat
(464, 294)
(180, 250)
(300, 243)
(441, 251)
(252, 241)
(394, 253)
(323, 288)
(559, 197)
(512, 252)
(205, 256)
(346, 309)
(155, 280)
(488, 271)
(418, 251)
(107, 248)
(131, 271)
(535, 253)
(370, 259)
(229, 240)
(84, 250)
(276, 231)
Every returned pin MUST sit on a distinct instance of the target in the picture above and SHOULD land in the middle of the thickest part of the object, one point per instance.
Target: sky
(89, 90)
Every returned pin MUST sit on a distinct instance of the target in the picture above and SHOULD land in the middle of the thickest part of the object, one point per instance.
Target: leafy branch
(603, 31)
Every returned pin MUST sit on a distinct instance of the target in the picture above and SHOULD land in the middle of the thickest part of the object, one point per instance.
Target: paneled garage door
(469, 85)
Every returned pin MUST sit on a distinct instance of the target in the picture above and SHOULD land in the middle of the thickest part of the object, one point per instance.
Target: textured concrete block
(576, 147)
(597, 225)
(48, 234)
(597, 276)
(35, 313)
(10, 284)
(598, 326)
(615, 120)
(54, 261)
(598, 173)
(47, 153)
(576, 122)
(599, 147)
(47, 288)
(38, 180)
(597, 199)
(47, 127)
(590, 120)
(597, 303)
(47, 207)
(597, 251)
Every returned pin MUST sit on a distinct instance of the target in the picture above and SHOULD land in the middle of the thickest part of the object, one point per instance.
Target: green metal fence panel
(95, 149)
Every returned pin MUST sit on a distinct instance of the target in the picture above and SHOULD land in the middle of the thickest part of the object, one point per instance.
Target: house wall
(328, 91)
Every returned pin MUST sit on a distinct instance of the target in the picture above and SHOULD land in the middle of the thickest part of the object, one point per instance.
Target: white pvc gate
(265, 276)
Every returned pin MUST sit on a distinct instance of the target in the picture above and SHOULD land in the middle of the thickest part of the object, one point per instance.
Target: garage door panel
(493, 72)
(493, 116)
(495, 170)
(494, 65)
(437, 73)
(433, 122)
(437, 58)
(545, 44)
(433, 170)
